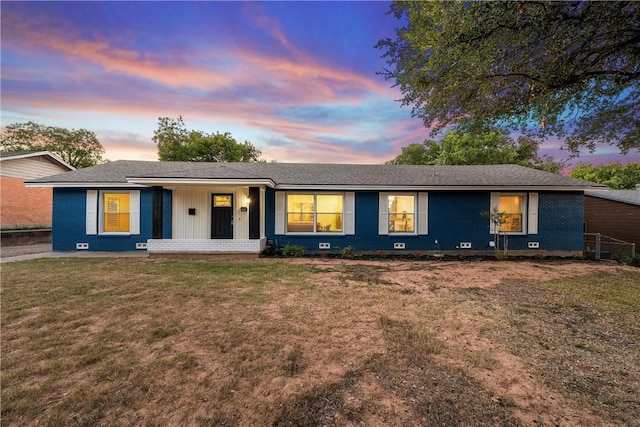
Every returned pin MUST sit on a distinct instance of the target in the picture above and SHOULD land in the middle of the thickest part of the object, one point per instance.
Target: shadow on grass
(438, 395)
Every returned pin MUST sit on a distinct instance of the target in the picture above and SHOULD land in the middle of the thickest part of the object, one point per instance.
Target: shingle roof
(8, 154)
(631, 197)
(314, 174)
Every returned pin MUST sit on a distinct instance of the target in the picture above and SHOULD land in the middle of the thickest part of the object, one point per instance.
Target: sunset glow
(296, 79)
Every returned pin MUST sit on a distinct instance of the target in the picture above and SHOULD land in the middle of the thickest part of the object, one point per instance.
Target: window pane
(401, 223)
(512, 205)
(330, 203)
(329, 216)
(116, 212)
(300, 212)
(222, 201)
(402, 214)
(329, 222)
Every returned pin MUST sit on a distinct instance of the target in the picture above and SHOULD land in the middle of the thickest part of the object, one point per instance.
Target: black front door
(222, 216)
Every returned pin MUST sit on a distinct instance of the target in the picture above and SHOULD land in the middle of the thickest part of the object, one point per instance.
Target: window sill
(311, 233)
(115, 233)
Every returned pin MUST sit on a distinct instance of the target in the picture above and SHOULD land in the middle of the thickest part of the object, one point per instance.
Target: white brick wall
(206, 245)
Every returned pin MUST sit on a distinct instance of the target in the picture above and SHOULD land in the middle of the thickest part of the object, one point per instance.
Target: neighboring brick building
(614, 213)
(22, 207)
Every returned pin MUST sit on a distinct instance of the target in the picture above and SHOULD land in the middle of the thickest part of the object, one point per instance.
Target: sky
(296, 79)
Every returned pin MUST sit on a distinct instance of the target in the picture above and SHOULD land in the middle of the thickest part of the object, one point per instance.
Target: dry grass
(582, 332)
(155, 342)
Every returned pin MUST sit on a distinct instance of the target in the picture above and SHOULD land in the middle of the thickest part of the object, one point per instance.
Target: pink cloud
(272, 26)
(250, 93)
(295, 80)
(112, 59)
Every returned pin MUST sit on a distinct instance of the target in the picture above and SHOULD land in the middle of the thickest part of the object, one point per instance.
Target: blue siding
(561, 221)
(69, 222)
(454, 217)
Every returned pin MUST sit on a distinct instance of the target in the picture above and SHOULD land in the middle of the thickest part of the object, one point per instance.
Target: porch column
(254, 213)
(157, 193)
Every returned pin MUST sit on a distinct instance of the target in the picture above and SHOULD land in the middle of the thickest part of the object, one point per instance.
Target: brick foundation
(204, 246)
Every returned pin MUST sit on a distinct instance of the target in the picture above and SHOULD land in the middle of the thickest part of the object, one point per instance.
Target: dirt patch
(463, 325)
(456, 274)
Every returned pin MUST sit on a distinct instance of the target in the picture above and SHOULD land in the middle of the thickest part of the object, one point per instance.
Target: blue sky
(296, 79)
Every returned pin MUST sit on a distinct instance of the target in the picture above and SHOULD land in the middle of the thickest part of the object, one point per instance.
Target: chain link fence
(598, 246)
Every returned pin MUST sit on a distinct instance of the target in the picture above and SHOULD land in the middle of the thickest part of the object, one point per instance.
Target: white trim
(532, 222)
(82, 185)
(349, 217)
(263, 194)
(134, 212)
(315, 195)
(91, 212)
(281, 212)
(202, 181)
(301, 187)
(423, 213)
(414, 213)
(494, 203)
(411, 188)
(383, 212)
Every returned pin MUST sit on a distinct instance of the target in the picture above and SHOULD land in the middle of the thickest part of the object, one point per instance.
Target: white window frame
(95, 213)
(315, 213)
(348, 213)
(529, 213)
(420, 214)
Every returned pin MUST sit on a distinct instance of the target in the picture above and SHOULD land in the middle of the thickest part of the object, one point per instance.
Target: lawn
(198, 342)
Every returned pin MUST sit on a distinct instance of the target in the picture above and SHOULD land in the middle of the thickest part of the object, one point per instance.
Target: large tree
(461, 146)
(615, 175)
(569, 70)
(78, 147)
(177, 143)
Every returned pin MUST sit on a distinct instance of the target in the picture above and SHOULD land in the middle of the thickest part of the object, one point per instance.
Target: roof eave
(201, 181)
(50, 184)
(53, 156)
(343, 187)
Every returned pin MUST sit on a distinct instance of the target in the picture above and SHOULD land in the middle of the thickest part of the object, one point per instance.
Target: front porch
(206, 246)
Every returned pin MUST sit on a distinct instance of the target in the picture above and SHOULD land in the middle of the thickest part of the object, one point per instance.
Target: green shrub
(294, 250)
(347, 252)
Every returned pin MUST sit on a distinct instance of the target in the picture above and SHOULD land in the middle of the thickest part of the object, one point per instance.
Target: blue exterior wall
(562, 215)
(454, 217)
(69, 222)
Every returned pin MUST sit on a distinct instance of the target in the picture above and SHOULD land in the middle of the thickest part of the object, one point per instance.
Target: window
(521, 211)
(113, 212)
(315, 213)
(222, 201)
(513, 206)
(402, 213)
(116, 212)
